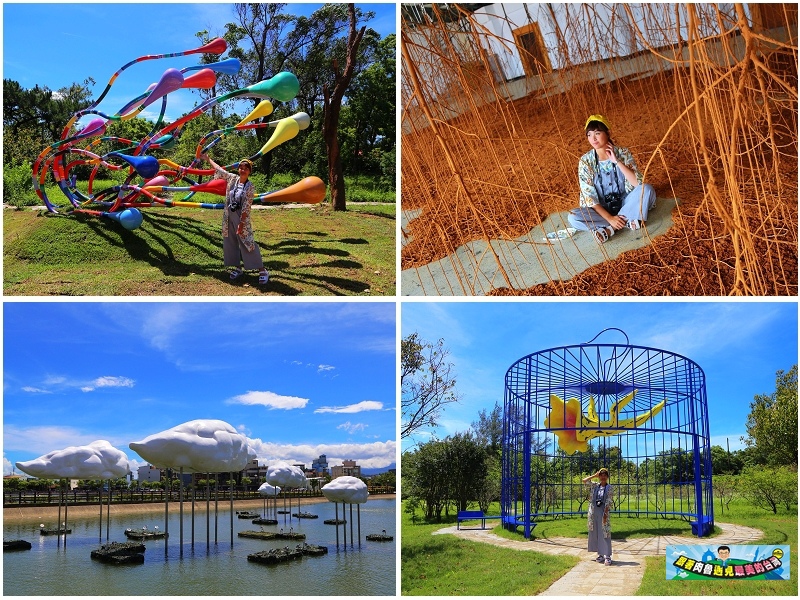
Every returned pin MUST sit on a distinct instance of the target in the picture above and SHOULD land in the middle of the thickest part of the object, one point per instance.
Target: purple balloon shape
(171, 80)
(94, 127)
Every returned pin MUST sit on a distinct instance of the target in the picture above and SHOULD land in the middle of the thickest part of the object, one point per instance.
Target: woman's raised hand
(610, 152)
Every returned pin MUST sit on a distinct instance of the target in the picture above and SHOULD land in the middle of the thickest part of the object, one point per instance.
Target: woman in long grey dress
(238, 244)
(601, 500)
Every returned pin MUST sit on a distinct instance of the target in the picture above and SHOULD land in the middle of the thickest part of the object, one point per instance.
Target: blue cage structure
(640, 412)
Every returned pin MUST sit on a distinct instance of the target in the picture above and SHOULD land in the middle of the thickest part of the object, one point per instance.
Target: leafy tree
(726, 488)
(489, 429)
(772, 422)
(427, 383)
(246, 481)
(724, 462)
(332, 106)
(425, 477)
(468, 468)
(770, 487)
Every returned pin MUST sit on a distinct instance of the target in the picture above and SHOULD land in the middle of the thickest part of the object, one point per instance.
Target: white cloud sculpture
(285, 475)
(98, 460)
(346, 489)
(199, 446)
(269, 490)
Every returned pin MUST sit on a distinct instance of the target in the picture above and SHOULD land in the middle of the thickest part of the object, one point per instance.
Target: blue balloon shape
(146, 166)
(130, 218)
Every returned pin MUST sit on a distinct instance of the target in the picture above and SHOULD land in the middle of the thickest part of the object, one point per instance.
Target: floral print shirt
(586, 172)
(247, 229)
(609, 501)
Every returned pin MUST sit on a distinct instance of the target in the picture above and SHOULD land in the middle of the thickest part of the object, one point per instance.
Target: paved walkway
(590, 578)
(472, 269)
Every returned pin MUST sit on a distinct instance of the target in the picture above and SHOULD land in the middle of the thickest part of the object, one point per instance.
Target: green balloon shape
(284, 86)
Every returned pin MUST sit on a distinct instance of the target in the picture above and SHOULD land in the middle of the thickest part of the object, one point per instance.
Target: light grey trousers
(635, 206)
(234, 251)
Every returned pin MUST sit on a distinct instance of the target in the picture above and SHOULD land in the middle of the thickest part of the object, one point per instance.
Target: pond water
(218, 570)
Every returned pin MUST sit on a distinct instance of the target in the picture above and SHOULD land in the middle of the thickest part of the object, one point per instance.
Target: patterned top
(247, 201)
(609, 502)
(586, 172)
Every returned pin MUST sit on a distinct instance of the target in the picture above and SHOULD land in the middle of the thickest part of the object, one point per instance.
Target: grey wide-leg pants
(635, 206)
(234, 251)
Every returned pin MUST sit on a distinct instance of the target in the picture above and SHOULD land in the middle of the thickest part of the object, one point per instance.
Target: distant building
(320, 465)
(348, 468)
(149, 473)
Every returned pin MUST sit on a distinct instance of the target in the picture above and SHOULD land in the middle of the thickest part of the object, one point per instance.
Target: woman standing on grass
(239, 246)
(612, 193)
(601, 499)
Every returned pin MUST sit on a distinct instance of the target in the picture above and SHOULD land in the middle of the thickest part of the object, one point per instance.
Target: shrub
(769, 487)
(18, 187)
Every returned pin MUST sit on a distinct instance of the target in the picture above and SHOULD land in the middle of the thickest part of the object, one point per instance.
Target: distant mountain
(372, 472)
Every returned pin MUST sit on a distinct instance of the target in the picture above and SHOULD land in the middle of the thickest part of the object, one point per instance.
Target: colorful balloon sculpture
(148, 175)
(574, 429)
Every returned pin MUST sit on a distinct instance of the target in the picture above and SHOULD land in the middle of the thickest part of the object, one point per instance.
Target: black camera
(234, 205)
(613, 202)
(598, 502)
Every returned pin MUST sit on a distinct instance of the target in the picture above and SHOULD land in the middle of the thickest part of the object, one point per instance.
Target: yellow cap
(599, 118)
(246, 161)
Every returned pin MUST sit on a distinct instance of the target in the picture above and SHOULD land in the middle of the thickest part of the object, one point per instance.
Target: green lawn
(178, 251)
(778, 529)
(443, 565)
(450, 562)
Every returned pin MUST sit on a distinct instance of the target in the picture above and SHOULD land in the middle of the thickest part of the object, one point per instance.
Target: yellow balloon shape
(263, 109)
(287, 129)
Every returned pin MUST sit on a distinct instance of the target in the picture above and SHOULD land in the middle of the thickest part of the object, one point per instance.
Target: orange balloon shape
(310, 190)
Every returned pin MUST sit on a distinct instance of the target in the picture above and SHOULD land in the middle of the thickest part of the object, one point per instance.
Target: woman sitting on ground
(612, 193)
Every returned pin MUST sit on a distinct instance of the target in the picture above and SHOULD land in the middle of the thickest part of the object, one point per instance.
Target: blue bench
(473, 515)
(702, 527)
(511, 523)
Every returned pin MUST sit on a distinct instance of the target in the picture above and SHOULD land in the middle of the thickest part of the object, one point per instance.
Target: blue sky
(299, 379)
(739, 345)
(55, 45)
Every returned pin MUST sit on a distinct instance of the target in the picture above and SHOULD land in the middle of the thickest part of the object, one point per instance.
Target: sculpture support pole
(181, 511)
(166, 516)
(231, 486)
(58, 525)
(208, 511)
(100, 502)
(358, 508)
(284, 506)
(351, 524)
(344, 528)
(193, 494)
(66, 519)
(108, 512)
(216, 507)
(336, 509)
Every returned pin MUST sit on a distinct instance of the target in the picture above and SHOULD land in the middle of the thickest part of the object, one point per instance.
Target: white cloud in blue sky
(268, 399)
(351, 408)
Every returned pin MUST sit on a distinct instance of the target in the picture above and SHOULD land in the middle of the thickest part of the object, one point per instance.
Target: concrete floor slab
(472, 270)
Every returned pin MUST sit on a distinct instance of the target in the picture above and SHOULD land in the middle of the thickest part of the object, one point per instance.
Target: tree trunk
(331, 108)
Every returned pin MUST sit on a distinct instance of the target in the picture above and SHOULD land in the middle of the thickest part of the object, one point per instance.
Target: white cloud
(323, 368)
(268, 399)
(160, 324)
(54, 380)
(351, 408)
(108, 381)
(35, 390)
(373, 455)
(8, 468)
(351, 428)
(42, 439)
